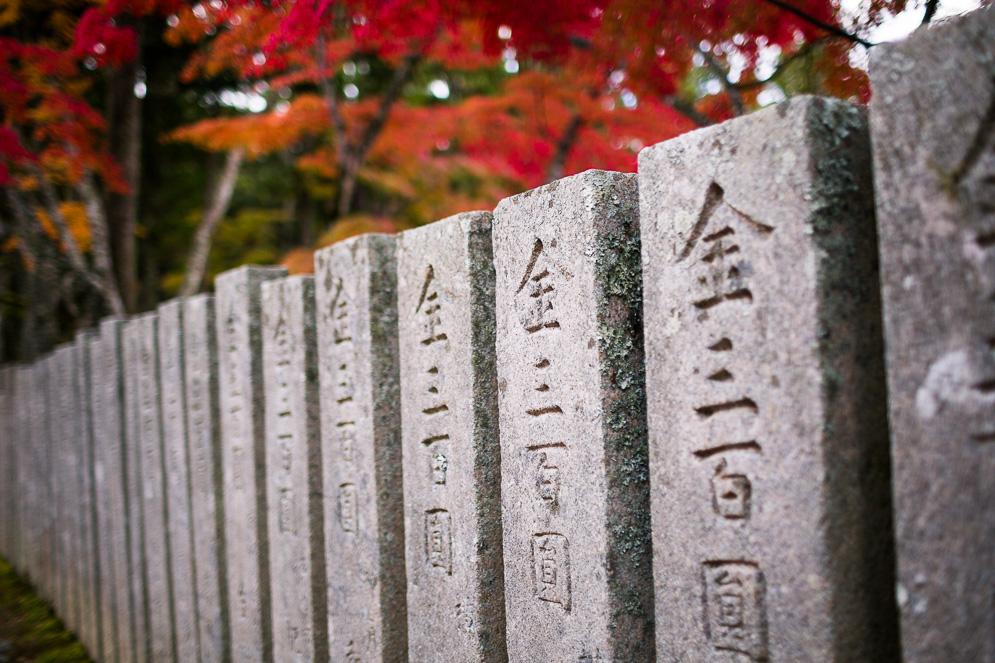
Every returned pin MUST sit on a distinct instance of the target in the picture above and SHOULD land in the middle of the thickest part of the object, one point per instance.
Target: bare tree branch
(723, 76)
(802, 52)
(828, 27)
(100, 243)
(687, 109)
(331, 101)
(557, 167)
(931, 7)
(212, 217)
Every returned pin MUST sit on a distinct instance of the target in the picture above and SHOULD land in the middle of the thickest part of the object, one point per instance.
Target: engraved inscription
(238, 467)
(548, 478)
(730, 493)
(735, 610)
(286, 511)
(537, 283)
(438, 540)
(439, 466)
(551, 568)
(717, 249)
(348, 507)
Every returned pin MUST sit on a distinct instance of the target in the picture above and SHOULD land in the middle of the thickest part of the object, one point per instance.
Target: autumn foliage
(383, 114)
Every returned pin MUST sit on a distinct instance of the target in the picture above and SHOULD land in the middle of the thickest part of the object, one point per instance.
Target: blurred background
(147, 145)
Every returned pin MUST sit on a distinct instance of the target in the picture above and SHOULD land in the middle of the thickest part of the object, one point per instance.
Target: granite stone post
(449, 435)
(155, 503)
(243, 459)
(45, 505)
(293, 471)
(574, 481)
(183, 571)
(933, 128)
(65, 442)
(765, 387)
(8, 463)
(200, 356)
(22, 416)
(134, 489)
(89, 562)
(109, 471)
(360, 425)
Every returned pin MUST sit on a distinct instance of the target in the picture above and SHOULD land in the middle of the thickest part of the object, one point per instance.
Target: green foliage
(31, 627)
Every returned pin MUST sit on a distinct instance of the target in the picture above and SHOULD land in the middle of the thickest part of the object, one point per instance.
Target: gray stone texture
(89, 564)
(243, 459)
(155, 504)
(109, 472)
(360, 423)
(22, 417)
(765, 388)
(574, 480)
(451, 451)
(8, 464)
(933, 127)
(44, 506)
(293, 470)
(64, 441)
(134, 489)
(183, 572)
(200, 358)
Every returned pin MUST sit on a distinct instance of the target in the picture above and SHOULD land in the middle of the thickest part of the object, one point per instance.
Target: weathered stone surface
(200, 355)
(153, 485)
(8, 463)
(243, 459)
(293, 471)
(451, 451)
(109, 474)
(44, 505)
(933, 127)
(89, 563)
(65, 473)
(360, 422)
(765, 389)
(575, 490)
(183, 573)
(134, 489)
(22, 417)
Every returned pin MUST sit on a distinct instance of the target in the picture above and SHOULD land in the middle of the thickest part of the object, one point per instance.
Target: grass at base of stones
(29, 630)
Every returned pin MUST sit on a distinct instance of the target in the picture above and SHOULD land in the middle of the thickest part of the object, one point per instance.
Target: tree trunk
(218, 207)
(124, 117)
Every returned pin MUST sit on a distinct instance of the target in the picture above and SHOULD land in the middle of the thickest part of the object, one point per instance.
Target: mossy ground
(29, 630)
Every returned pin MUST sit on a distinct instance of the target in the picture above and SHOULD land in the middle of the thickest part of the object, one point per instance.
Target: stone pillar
(451, 451)
(183, 571)
(134, 489)
(933, 128)
(66, 445)
(765, 388)
(146, 366)
(360, 422)
(243, 459)
(89, 562)
(8, 464)
(574, 479)
(200, 356)
(109, 473)
(293, 469)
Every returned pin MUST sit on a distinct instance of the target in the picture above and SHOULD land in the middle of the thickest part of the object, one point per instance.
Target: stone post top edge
(247, 271)
(580, 180)
(475, 218)
(796, 110)
(890, 55)
(176, 303)
(199, 298)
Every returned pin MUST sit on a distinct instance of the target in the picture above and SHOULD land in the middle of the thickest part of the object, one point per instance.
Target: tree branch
(802, 52)
(557, 167)
(212, 217)
(720, 72)
(687, 109)
(931, 7)
(828, 27)
(332, 102)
